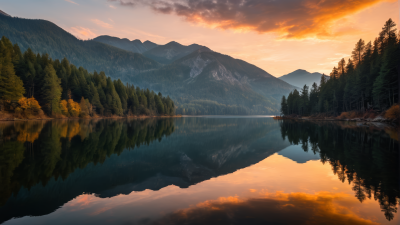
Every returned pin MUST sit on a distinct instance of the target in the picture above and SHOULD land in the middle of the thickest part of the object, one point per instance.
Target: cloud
(102, 24)
(82, 33)
(112, 6)
(291, 19)
(320, 208)
(70, 1)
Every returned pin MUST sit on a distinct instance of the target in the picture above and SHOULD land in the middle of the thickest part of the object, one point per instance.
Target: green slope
(46, 37)
(207, 82)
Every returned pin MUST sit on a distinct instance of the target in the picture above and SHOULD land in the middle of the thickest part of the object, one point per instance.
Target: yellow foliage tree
(393, 112)
(74, 108)
(29, 105)
(64, 107)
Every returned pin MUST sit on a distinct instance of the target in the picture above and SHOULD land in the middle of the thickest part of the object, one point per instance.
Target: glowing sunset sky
(278, 36)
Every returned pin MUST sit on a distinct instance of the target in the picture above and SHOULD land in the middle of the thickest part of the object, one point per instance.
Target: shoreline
(90, 118)
(379, 121)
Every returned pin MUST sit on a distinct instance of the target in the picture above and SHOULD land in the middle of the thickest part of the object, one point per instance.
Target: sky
(279, 36)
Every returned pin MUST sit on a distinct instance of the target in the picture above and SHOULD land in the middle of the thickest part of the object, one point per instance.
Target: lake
(198, 170)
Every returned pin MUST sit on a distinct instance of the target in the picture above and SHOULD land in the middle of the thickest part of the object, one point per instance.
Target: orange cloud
(320, 208)
(82, 33)
(296, 19)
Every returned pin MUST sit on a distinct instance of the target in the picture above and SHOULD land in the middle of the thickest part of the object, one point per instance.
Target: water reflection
(367, 158)
(196, 171)
(321, 208)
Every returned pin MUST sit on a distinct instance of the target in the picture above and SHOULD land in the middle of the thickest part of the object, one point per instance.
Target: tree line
(367, 81)
(31, 84)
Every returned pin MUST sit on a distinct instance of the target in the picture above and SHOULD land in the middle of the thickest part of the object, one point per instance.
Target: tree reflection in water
(34, 152)
(366, 157)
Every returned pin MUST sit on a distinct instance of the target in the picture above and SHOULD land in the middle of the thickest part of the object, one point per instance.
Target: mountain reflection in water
(196, 171)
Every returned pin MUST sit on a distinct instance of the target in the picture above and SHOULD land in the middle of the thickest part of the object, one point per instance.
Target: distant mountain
(297, 154)
(170, 52)
(135, 46)
(149, 45)
(207, 82)
(46, 37)
(299, 78)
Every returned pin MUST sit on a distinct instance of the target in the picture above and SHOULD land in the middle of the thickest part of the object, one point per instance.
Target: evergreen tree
(51, 91)
(358, 52)
(368, 81)
(11, 86)
(284, 106)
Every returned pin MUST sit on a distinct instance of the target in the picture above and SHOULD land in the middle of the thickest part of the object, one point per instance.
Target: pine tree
(51, 91)
(284, 106)
(11, 86)
(304, 98)
(84, 108)
(358, 52)
(159, 105)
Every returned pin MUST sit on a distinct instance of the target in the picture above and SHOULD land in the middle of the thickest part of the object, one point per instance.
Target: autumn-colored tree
(64, 107)
(29, 105)
(74, 108)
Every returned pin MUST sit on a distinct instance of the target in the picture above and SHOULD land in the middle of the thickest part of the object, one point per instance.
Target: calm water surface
(197, 170)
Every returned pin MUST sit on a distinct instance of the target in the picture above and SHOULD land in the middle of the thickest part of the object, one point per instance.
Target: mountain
(46, 37)
(3, 13)
(135, 46)
(199, 80)
(149, 45)
(299, 78)
(170, 52)
(207, 82)
(297, 154)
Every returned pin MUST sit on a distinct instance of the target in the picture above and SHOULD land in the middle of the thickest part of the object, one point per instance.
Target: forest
(367, 81)
(34, 85)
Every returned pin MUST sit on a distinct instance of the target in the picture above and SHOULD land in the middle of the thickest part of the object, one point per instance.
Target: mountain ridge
(43, 36)
(135, 46)
(3, 13)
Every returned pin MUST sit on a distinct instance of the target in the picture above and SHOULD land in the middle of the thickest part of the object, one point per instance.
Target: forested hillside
(367, 81)
(31, 82)
(209, 83)
(45, 37)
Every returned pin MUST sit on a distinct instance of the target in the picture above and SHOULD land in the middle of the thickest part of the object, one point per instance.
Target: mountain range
(199, 80)
(299, 78)
(135, 46)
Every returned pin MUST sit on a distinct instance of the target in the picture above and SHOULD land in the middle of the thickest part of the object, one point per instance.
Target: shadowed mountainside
(299, 78)
(46, 37)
